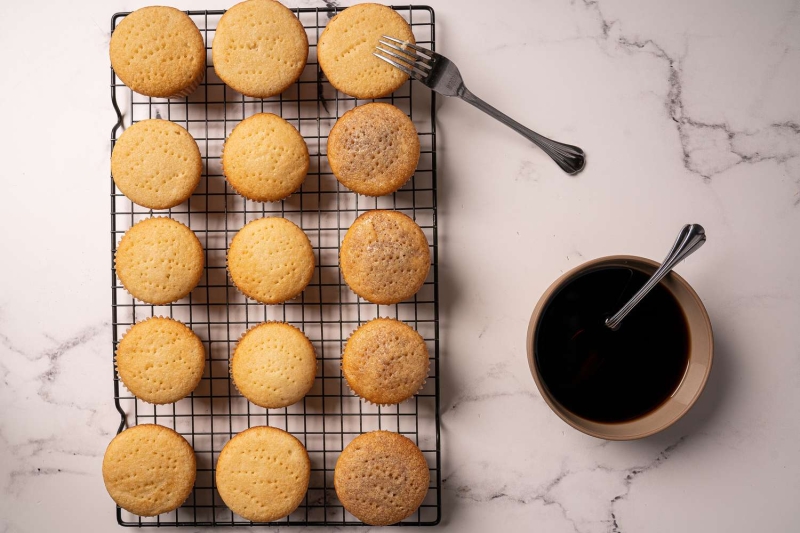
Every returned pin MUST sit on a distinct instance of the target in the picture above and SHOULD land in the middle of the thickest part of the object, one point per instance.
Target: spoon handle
(691, 237)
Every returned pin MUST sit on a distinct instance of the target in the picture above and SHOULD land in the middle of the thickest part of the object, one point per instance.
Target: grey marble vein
(636, 471)
(708, 148)
(54, 355)
(484, 492)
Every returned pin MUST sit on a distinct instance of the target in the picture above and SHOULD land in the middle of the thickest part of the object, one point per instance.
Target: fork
(441, 75)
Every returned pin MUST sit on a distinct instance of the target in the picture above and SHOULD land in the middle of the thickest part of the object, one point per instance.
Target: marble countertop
(688, 111)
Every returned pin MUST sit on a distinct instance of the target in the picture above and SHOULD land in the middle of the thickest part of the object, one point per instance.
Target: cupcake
(271, 260)
(159, 260)
(156, 164)
(274, 365)
(158, 51)
(265, 158)
(259, 48)
(160, 360)
(262, 474)
(149, 470)
(373, 149)
(345, 50)
(385, 361)
(381, 478)
(384, 257)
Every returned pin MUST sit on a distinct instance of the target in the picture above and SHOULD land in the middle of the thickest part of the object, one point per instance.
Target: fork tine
(405, 59)
(413, 73)
(425, 51)
(408, 55)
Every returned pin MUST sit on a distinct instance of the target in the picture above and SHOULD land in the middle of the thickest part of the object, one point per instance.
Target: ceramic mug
(701, 354)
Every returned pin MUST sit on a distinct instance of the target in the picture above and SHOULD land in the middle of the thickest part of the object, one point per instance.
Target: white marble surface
(689, 112)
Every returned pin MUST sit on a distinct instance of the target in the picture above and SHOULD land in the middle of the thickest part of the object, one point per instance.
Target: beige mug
(701, 354)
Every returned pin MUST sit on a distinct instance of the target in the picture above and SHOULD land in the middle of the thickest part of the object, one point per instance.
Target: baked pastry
(262, 474)
(381, 478)
(158, 51)
(384, 257)
(385, 361)
(271, 260)
(345, 48)
(265, 158)
(160, 360)
(149, 469)
(274, 365)
(156, 163)
(259, 48)
(159, 260)
(373, 149)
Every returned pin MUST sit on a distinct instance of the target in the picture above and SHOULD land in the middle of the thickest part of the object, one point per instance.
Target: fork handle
(570, 158)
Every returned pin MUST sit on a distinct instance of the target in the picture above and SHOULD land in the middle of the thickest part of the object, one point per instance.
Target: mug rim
(557, 285)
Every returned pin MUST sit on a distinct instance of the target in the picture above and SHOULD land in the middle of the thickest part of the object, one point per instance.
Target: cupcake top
(260, 48)
(158, 51)
(274, 365)
(384, 257)
(156, 164)
(345, 50)
(159, 260)
(160, 360)
(262, 474)
(149, 469)
(271, 260)
(265, 158)
(373, 149)
(381, 478)
(385, 361)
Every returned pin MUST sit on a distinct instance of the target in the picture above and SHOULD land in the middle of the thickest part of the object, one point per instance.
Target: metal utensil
(691, 237)
(441, 75)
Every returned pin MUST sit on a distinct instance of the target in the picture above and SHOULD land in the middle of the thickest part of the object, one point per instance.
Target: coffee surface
(604, 375)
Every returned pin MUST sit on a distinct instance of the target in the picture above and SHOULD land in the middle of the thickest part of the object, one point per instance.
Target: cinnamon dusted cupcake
(384, 257)
(385, 361)
(158, 51)
(381, 478)
(373, 149)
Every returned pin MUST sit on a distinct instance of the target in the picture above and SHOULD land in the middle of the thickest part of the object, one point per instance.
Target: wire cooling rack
(330, 416)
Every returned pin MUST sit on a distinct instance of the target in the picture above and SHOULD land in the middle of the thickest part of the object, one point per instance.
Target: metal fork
(442, 75)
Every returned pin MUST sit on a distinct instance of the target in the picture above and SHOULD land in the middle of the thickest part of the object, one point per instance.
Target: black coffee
(604, 375)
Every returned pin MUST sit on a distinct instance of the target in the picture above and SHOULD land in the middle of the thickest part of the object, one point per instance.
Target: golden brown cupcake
(149, 469)
(274, 365)
(385, 361)
(271, 260)
(160, 360)
(159, 260)
(265, 158)
(158, 51)
(373, 149)
(384, 257)
(381, 478)
(260, 48)
(345, 50)
(262, 474)
(156, 164)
